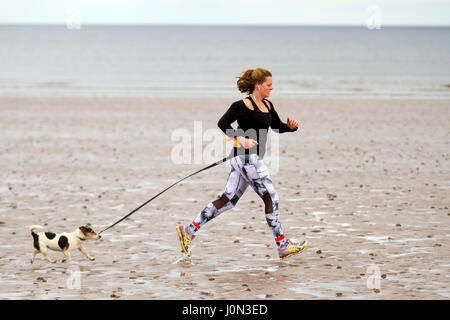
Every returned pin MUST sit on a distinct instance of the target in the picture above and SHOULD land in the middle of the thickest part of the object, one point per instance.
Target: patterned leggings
(245, 170)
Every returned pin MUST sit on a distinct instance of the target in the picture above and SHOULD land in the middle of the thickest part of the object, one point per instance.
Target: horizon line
(57, 24)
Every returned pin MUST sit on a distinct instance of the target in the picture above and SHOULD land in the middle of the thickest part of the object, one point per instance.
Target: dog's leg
(67, 254)
(44, 251)
(35, 252)
(83, 250)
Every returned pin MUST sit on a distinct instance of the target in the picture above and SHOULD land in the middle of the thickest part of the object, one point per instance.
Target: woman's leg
(256, 173)
(234, 189)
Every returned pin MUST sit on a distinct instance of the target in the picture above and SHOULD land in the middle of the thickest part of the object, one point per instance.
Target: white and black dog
(64, 242)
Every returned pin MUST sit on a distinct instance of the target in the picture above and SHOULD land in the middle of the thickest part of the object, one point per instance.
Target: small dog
(64, 242)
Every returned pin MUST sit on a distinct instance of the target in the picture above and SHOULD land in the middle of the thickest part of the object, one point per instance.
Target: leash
(146, 202)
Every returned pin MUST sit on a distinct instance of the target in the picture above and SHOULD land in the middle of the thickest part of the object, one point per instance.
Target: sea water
(204, 61)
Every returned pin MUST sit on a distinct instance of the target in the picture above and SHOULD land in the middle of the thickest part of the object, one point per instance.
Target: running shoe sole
(180, 236)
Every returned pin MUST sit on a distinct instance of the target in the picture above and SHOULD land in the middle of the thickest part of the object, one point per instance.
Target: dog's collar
(81, 239)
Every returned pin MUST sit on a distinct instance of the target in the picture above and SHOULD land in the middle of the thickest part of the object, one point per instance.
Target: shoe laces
(293, 246)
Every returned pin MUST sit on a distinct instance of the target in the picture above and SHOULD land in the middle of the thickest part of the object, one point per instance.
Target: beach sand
(366, 181)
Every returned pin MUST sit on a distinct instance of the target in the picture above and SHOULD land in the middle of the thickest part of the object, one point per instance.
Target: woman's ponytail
(249, 77)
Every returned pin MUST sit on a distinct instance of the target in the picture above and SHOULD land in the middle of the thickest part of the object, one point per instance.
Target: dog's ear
(88, 225)
(83, 229)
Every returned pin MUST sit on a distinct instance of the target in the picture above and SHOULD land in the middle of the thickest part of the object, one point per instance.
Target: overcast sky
(242, 12)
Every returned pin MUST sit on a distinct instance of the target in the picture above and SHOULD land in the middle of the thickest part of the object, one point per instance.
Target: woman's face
(265, 88)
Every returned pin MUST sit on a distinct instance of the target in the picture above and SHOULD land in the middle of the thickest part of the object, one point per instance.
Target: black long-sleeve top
(253, 124)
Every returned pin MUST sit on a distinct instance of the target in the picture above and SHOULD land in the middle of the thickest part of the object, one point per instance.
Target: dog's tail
(32, 228)
(35, 237)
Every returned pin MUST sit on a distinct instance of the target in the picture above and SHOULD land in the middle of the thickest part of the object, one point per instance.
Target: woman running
(254, 115)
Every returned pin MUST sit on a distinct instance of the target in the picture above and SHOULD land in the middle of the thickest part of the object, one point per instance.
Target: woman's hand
(292, 123)
(246, 142)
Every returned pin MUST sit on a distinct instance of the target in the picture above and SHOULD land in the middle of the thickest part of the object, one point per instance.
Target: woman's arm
(227, 119)
(277, 124)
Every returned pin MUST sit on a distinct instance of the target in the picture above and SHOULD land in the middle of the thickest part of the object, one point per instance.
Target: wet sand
(365, 181)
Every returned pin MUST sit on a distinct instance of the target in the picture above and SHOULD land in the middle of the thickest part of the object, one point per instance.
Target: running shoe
(292, 248)
(185, 239)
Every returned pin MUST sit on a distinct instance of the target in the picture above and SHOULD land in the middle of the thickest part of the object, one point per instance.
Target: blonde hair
(246, 82)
